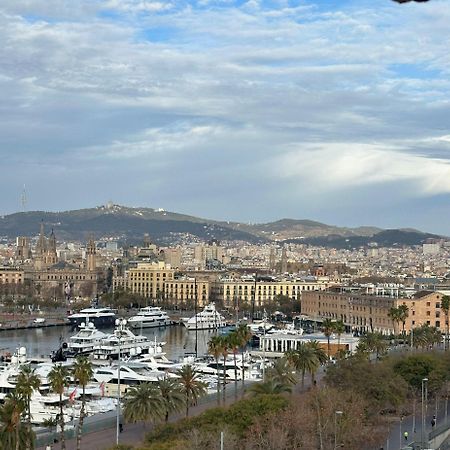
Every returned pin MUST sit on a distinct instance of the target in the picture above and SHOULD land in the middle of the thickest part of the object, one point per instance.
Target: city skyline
(248, 111)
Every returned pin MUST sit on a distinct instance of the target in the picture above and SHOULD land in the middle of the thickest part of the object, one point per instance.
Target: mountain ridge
(131, 223)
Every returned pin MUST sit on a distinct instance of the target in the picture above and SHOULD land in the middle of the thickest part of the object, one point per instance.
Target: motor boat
(149, 317)
(123, 342)
(85, 340)
(208, 319)
(100, 317)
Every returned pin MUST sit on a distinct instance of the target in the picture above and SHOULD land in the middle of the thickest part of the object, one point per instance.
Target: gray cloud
(245, 113)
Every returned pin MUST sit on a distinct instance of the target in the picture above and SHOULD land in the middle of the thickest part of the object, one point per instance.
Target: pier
(25, 322)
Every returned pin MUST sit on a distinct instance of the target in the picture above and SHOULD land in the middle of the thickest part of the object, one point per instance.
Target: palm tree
(27, 382)
(281, 372)
(82, 372)
(215, 349)
(373, 343)
(142, 402)
(328, 329)
(234, 342)
(224, 350)
(172, 399)
(307, 359)
(271, 386)
(12, 434)
(244, 335)
(191, 386)
(394, 314)
(339, 329)
(403, 313)
(320, 356)
(59, 379)
(445, 306)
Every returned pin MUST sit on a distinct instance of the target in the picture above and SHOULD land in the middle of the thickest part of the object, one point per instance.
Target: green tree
(224, 350)
(13, 435)
(59, 379)
(328, 330)
(172, 398)
(215, 349)
(403, 314)
(270, 386)
(190, 385)
(142, 402)
(234, 342)
(372, 343)
(307, 359)
(82, 373)
(244, 335)
(282, 372)
(396, 316)
(445, 306)
(27, 382)
(339, 329)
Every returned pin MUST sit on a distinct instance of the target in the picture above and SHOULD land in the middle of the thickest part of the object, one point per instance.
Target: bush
(237, 419)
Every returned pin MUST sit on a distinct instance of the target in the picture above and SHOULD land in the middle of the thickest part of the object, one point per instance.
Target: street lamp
(336, 414)
(424, 409)
(120, 325)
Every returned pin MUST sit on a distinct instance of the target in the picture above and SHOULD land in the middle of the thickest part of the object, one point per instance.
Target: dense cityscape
(224, 225)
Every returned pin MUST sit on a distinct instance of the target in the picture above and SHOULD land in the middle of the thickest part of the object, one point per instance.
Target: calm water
(42, 341)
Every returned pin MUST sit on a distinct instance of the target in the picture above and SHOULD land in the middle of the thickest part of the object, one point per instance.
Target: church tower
(41, 248)
(51, 257)
(91, 256)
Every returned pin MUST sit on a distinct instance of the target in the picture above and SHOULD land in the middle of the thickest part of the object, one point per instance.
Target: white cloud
(343, 165)
(108, 83)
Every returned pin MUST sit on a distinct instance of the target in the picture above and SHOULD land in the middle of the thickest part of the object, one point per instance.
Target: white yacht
(85, 341)
(149, 317)
(208, 319)
(252, 369)
(100, 317)
(131, 374)
(156, 359)
(124, 342)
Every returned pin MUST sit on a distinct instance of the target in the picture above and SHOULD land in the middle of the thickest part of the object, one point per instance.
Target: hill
(130, 224)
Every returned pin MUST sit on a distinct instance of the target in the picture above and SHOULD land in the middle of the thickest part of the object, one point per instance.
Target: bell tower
(91, 256)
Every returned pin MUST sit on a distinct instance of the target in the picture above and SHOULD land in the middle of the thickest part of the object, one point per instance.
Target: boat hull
(99, 322)
(143, 324)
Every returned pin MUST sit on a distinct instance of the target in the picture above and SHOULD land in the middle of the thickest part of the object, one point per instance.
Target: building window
(428, 313)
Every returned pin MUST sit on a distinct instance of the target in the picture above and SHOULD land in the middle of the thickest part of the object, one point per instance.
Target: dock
(17, 322)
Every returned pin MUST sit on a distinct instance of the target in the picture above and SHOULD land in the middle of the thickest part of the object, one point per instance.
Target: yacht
(252, 370)
(100, 317)
(85, 341)
(131, 374)
(123, 342)
(208, 319)
(156, 359)
(149, 317)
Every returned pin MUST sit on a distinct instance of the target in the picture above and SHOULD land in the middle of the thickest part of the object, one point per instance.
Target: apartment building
(146, 279)
(228, 291)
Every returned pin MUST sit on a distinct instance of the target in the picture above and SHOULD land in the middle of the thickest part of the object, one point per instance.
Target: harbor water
(40, 342)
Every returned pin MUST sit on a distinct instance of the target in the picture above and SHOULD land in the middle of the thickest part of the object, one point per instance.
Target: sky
(246, 110)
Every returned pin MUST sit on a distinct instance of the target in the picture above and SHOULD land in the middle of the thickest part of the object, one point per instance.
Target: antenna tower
(23, 199)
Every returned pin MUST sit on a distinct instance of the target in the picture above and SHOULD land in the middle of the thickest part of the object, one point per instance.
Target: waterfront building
(184, 291)
(230, 291)
(146, 279)
(362, 312)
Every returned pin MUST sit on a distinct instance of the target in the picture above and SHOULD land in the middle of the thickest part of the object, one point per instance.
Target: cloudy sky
(249, 110)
